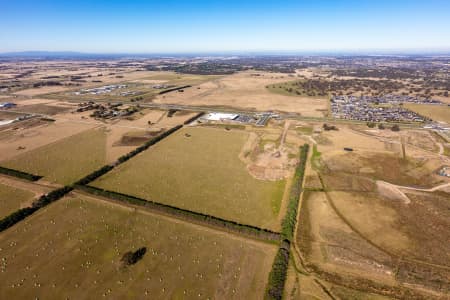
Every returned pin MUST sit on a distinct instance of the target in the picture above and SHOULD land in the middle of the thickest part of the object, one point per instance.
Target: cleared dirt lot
(73, 249)
(199, 169)
(242, 90)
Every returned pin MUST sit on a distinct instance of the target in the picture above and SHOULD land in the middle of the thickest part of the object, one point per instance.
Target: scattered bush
(395, 127)
(329, 127)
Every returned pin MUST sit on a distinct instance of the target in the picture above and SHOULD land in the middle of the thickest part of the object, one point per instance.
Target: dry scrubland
(243, 90)
(66, 160)
(352, 224)
(73, 249)
(12, 199)
(199, 169)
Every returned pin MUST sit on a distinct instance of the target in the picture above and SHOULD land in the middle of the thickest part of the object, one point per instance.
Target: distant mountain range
(84, 55)
(59, 54)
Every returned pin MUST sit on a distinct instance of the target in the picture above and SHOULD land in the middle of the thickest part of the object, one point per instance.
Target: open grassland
(12, 199)
(245, 91)
(435, 112)
(66, 160)
(73, 249)
(199, 169)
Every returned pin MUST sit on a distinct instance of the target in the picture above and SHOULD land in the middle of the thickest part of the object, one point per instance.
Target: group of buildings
(258, 119)
(101, 90)
(106, 111)
(445, 171)
(6, 105)
(377, 109)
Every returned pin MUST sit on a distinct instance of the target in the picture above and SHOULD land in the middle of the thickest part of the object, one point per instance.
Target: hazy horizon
(142, 27)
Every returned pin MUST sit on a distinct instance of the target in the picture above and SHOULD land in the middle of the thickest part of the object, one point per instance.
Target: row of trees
(289, 221)
(193, 118)
(57, 194)
(22, 213)
(145, 146)
(277, 276)
(381, 126)
(185, 214)
(174, 89)
(94, 175)
(19, 174)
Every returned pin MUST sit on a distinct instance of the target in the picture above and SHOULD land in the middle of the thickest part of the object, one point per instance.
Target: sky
(173, 26)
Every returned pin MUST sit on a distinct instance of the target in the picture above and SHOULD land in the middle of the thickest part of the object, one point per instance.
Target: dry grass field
(243, 90)
(73, 249)
(139, 84)
(66, 160)
(22, 138)
(199, 169)
(12, 199)
(435, 112)
(354, 220)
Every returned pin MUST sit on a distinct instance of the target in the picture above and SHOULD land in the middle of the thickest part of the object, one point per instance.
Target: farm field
(246, 91)
(12, 199)
(33, 134)
(435, 112)
(73, 249)
(199, 169)
(66, 160)
(139, 85)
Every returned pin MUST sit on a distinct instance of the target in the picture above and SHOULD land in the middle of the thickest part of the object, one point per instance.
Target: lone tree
(130, 257)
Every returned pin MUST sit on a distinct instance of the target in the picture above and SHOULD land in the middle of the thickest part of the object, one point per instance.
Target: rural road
(433, 189)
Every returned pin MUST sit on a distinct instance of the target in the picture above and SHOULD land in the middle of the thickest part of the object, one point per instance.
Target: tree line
(193, 118)
(146, 145)
(185, 214)
(22, 213)
(174, 89)
(19, 174)
(290, 219)
(277, 275)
